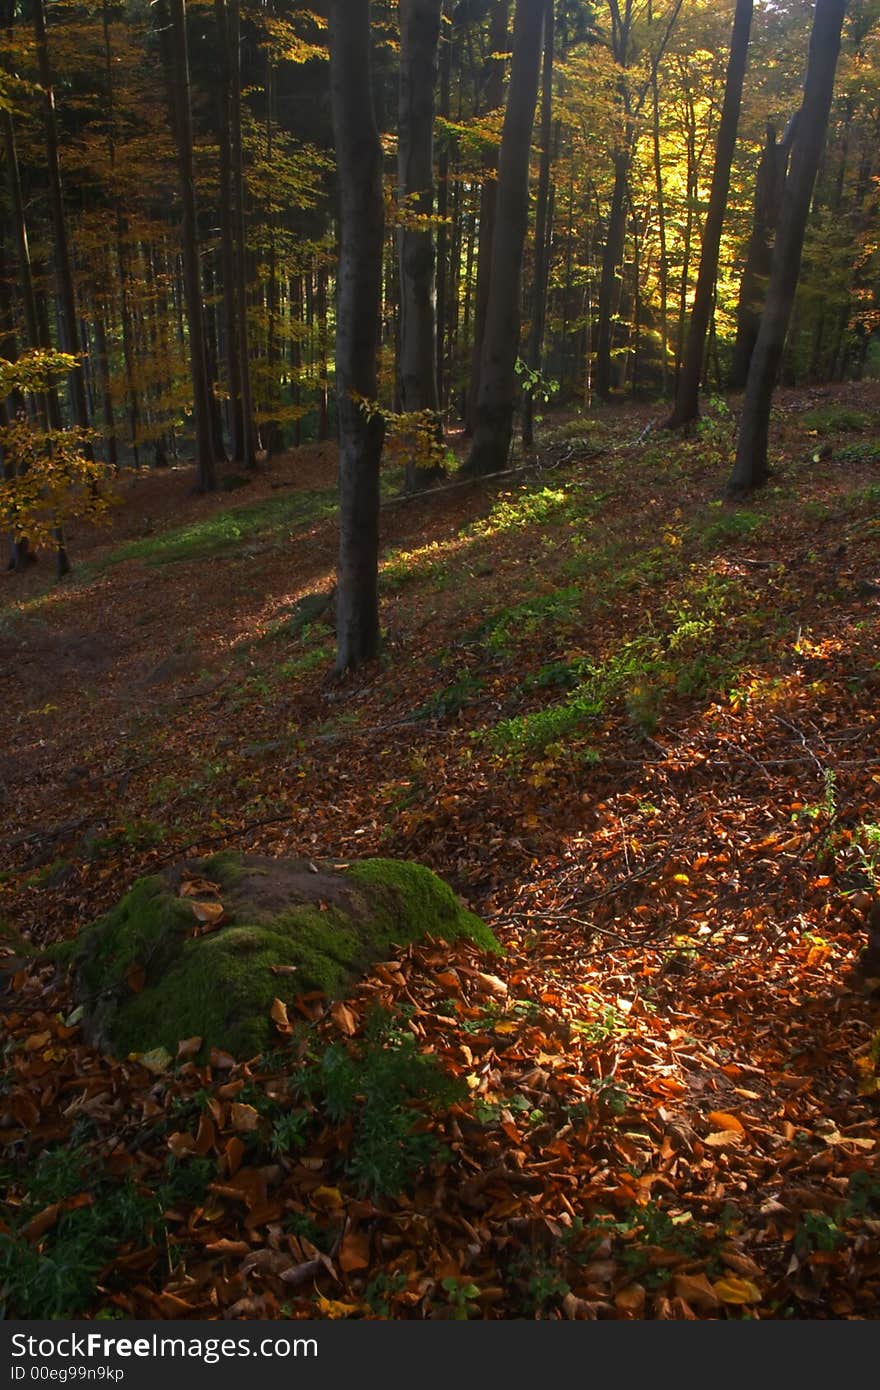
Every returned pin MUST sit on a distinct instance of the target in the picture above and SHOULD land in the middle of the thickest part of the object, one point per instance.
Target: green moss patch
(289, 927)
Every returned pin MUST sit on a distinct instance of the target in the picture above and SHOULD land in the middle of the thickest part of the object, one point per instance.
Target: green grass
(704, 642)
(836, 419)
(269, 520)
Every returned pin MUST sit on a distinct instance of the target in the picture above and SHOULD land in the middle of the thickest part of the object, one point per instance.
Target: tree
(63, 265)
(497, 392)
(686, 406)
(769, 185)
(419, 38)
(494, 97)
(631, 97)
(750, 469)
(534, 354)
(177, 60)
(359, 293)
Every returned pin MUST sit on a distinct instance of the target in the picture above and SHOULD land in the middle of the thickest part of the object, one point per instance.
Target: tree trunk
(358, 317)
(121, 250)
(687, 394)
(750, 469)
(442, 275)
(177, 62)
(419, 39)
(535, 351)
(498, 41)
(769, 186)
(663, 266)
(493, 424)
(227, 238)
(249, 456)
(611, 258)
(63, 267)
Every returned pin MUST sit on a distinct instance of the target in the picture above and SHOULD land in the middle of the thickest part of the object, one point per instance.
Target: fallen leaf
(734, 1289)
(278, 1013)
(720, 1119)
(243, 1118)
(354, 1253)
(344, 1018)
(206, 911)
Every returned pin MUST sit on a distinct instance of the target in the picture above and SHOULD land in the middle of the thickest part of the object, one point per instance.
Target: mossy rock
(146, 981)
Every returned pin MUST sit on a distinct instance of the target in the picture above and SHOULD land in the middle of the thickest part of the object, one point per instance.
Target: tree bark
(419, 39)
(498, 40)
(497, 392)
(249, 455)
(227, 237)
(63, 266)
(687, 394)
(750, 469)
(177, 61)
(535, 351)
(358, 317)
(769, 186)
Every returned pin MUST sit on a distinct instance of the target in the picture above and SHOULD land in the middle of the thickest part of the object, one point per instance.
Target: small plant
(289, 1133)
(460, 1297)
(534, 384)
(817, 1231)
(452, 699)
(380, 1292)
(388, 1091)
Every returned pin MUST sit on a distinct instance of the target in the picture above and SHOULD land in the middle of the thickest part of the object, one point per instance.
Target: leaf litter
(666, 1093)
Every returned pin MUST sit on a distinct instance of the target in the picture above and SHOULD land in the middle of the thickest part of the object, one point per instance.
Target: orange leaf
(722, 1120)
(244, 1117)
(278, 1012)
(206, 912)
(345, 1019)
(188, 1047)
(42, 1222)
(136, 977)
(354, 1253)
(196, 887)
(234, 1153)
(221, 1059)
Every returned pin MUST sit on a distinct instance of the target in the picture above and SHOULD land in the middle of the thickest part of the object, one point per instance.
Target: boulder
(203, 949)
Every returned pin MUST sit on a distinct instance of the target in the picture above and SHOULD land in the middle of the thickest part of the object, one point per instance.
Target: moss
(417, 903)
(147, 981)
(224, 868)
(11, 939)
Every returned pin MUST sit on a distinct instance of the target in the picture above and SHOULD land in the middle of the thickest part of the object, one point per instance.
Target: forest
(439, 620)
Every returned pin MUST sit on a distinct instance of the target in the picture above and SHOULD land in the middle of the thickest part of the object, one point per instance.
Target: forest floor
(636, 728)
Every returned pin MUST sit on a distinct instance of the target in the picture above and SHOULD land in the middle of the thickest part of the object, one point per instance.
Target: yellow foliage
(48, 476)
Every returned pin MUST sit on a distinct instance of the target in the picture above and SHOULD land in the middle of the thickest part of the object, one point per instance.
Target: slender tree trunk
(687, 394)
(442, 275)
(227, 238)
(498, 41)
(106, 389)
(535, 350)
(121, 249)
(663, 265)
(249, 457)
(177, 61)
(497, 393)
(419, 38)
(63, 266)
(359, 291)
(611, 258)
(769, 186)
(750, 469)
